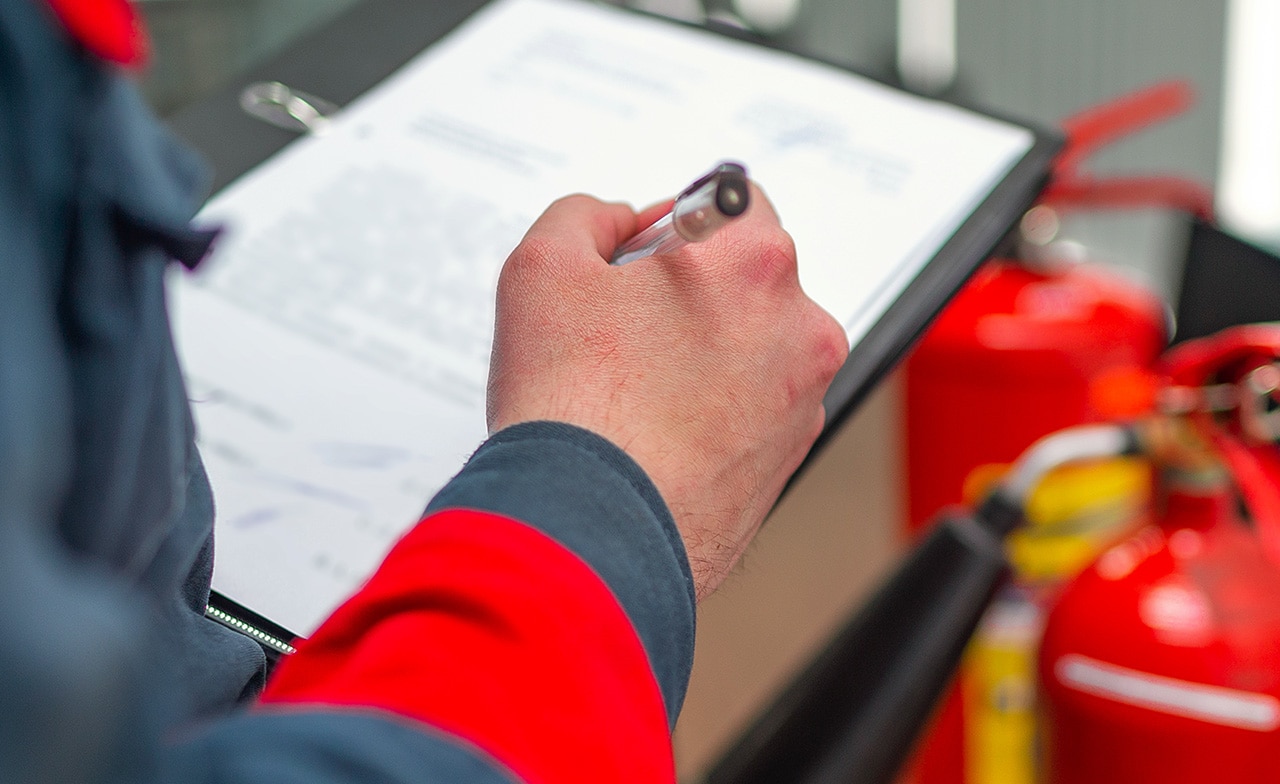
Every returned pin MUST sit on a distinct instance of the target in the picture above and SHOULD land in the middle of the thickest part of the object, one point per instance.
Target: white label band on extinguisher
(1213, 704)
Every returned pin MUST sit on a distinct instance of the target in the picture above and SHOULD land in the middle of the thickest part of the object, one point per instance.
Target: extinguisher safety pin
(1209, 399)
(1260, 418)
(1255, 399)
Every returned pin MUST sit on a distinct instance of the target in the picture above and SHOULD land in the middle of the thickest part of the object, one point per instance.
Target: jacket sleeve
(538, 623)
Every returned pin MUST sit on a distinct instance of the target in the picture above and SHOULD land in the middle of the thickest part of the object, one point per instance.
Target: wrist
(595, 500)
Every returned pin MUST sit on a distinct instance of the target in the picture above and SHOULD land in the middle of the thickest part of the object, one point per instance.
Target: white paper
(337, 343)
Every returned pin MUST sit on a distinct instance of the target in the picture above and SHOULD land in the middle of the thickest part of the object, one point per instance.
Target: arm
(541, 616)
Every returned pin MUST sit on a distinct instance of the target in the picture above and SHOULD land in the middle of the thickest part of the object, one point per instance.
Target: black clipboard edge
(892, 337)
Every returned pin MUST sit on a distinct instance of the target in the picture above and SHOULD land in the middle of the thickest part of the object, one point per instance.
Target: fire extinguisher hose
(1003, 508)
(853, 713)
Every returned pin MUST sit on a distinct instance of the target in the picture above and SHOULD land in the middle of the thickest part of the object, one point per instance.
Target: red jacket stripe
(492, 631)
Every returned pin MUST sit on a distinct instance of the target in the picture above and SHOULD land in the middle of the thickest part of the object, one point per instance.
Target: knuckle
(818, 422)
(776, 258)
(831, 345)
(573, 201)
(534, 254)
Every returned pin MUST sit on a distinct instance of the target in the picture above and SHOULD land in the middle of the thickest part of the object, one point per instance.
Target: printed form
(337, 343)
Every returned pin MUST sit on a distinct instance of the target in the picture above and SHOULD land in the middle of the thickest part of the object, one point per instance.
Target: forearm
(541, 615)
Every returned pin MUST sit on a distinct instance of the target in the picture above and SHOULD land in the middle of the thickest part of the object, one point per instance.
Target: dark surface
(1226, 282)
(852, 715)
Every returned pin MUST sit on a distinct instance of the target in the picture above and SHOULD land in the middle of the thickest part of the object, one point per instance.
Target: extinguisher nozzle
(1000, 514)
(1133, 442)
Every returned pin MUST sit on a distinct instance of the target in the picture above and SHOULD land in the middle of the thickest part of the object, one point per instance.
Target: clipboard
(361, 50)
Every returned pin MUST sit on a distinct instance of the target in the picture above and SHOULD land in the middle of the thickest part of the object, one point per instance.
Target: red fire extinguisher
(1018, 352)
(1161, 661)
(1023, 343)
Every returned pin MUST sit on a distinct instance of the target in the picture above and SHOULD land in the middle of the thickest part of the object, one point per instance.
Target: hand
(706, 365)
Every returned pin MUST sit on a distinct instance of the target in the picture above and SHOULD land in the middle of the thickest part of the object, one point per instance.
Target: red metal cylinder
(1014, 357)
(1161, 662)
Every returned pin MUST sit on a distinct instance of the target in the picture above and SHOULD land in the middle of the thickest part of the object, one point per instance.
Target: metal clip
(1210, 399)
(1255, 399)
(284, 107)
(1260, 409)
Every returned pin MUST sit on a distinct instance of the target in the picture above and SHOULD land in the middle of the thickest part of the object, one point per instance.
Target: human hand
(706, 365)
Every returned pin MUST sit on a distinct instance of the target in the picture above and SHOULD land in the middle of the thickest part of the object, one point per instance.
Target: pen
(699, 211)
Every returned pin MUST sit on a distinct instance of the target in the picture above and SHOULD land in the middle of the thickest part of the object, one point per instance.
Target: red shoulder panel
(490, 630)
(110, 29)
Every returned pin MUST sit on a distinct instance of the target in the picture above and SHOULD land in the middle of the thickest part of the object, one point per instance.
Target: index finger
(759, 220)
(753, 247)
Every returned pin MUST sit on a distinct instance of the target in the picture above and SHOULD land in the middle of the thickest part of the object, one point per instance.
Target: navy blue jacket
(109, 669)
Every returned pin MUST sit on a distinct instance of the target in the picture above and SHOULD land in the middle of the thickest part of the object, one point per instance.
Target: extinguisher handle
(855, 711)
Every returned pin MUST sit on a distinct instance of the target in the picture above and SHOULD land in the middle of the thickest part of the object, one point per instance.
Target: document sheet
(337, 343)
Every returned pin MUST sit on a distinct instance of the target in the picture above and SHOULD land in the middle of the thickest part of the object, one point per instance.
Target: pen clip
(280, 105)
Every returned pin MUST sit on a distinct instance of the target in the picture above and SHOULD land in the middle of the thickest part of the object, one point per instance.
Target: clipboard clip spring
(284, 107)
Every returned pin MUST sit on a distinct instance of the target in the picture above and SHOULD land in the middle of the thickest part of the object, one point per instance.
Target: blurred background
(843, 524)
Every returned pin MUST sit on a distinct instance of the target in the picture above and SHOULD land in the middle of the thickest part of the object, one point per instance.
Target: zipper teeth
(252, 631)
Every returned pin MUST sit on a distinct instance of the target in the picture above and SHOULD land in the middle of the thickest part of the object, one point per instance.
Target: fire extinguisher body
(1161, 661)
(1011, 359)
